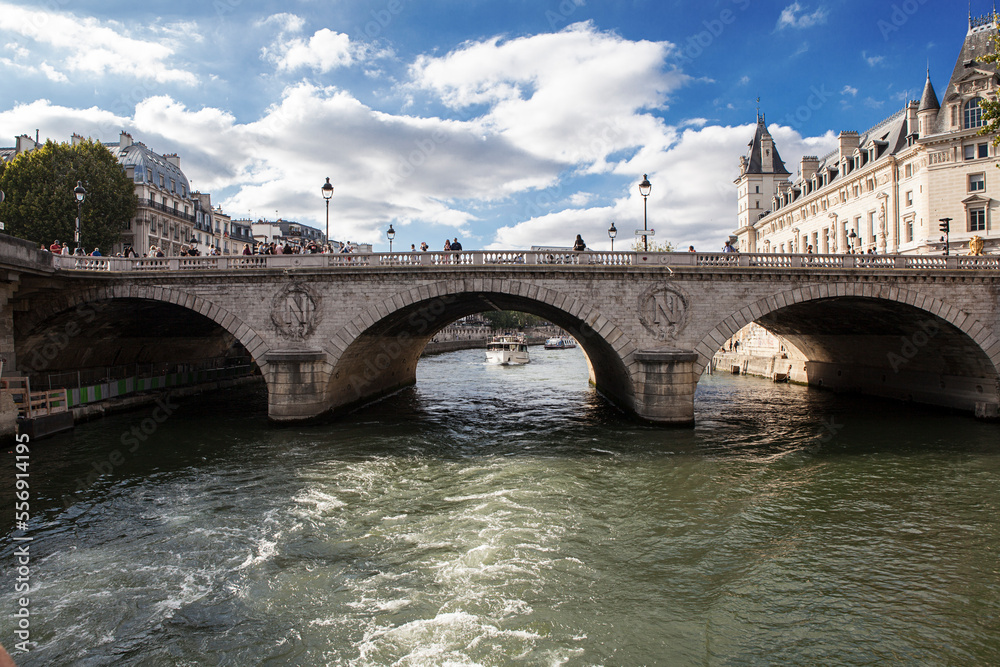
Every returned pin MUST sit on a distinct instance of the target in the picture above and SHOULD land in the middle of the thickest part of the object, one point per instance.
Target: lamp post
(327, 193)
(81, 194)
(852, 239)
(612, 233)
(644, 189)
(390, 234)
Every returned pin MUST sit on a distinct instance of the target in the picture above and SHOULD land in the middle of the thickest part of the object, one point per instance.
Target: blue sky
(507, 123)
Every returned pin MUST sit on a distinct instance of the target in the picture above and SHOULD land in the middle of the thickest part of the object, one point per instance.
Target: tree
(666, 246)
(39, 203)
(508, 319)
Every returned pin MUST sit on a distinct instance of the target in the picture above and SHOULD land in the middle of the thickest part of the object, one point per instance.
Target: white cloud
(73, 45)
(324, 51)
(693, 199)
(795, 16)
(577, 95)
(872, 60)
(849, 90)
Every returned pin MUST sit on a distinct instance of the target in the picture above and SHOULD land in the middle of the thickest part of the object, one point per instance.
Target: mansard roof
(149, 165)
(754, 157)
(978, 44)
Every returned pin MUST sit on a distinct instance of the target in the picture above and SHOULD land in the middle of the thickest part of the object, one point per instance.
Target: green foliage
(508, 319)
(40, 205)
(665, 246)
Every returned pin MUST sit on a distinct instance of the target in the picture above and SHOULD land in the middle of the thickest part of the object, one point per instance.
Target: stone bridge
(330, 332)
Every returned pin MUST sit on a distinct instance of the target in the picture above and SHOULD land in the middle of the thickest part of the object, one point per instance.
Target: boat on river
(507, 350)
(559, 343)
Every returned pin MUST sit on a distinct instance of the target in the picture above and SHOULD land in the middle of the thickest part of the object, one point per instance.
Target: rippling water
(496, 515)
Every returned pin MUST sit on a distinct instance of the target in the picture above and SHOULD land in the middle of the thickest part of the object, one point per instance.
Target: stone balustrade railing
(509, 258)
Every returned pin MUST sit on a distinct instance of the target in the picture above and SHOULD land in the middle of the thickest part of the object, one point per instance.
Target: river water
(507, 515)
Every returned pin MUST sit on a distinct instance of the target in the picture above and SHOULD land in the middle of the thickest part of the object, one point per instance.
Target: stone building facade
(888, 189)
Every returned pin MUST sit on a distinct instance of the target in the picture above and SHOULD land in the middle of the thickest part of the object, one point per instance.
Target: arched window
(973, 114)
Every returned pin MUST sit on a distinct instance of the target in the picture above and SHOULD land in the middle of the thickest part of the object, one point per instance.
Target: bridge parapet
(507, 258)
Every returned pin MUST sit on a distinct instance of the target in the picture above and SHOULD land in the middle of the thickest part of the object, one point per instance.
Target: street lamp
(644, 189)
(612, 233)
(852, 238)
(327, 193)
(390, 234)
(81, 194)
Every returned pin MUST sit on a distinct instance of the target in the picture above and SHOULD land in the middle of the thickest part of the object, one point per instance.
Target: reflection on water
(496, 515)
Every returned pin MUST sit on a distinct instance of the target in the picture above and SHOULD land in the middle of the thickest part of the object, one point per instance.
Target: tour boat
(507, 349)
(559, 343)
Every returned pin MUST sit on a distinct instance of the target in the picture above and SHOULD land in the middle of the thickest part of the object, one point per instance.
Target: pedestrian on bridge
(579, 245)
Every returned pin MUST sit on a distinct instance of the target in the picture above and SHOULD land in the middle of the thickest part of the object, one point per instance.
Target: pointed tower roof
(755, 157)
(929, 100)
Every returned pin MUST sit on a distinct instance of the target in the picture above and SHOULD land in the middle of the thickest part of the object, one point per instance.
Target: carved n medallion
(663, 310)
(295, 311)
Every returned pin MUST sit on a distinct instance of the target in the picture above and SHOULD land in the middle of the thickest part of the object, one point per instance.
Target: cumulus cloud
(324, 51)
(849, 90)
(72, 45)
(796, 16)
(577, 94)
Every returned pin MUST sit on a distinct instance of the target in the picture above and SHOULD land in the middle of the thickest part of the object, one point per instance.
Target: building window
(970, 152)
(909, 170)
(161, 180)
(909, 198)
(173, 185)
(984, 150)
(758, 189)
(977, 220)
(909, 230)
(977, 182)
(973, 114)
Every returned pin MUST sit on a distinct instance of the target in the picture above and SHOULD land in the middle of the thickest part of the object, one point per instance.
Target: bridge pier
(664, 386)
(297, 384)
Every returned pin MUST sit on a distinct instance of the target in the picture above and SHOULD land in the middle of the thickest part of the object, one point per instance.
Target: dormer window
(972, 114)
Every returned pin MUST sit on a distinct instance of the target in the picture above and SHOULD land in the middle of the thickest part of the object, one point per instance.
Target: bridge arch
(376, 352)
(902, 343)
(83, 301)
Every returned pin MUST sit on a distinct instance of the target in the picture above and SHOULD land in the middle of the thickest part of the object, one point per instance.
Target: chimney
(173, 159)
(912, 125)
(124, 139)
(76, 139)
(848, 142)
(808, 166)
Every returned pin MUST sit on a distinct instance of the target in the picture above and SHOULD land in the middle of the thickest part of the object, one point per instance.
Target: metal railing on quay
(476, 258)
(89, 376)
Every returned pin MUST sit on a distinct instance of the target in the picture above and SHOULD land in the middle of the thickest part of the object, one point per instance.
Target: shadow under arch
(886, 341)
(377, 353)
(116, 325)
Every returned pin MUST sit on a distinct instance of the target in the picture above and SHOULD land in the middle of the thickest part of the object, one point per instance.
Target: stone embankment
(778, 368)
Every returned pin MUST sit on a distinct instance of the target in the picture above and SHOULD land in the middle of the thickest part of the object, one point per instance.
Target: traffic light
(945, 225)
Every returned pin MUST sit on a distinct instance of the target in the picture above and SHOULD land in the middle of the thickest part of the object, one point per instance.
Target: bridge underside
(120, 332)
(383, 358)
(889, 349)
